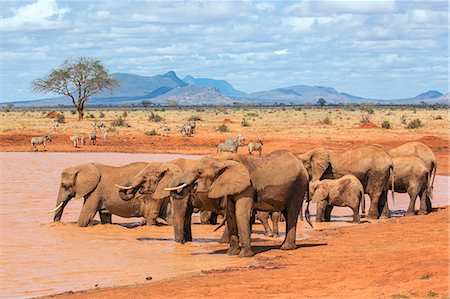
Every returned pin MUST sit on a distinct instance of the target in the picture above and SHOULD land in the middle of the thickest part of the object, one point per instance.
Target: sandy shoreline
(388, 265)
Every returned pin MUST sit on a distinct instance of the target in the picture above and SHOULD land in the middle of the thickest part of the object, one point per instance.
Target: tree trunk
(80, 113)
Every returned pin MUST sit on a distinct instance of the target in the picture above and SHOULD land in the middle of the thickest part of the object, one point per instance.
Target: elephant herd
(236, 185)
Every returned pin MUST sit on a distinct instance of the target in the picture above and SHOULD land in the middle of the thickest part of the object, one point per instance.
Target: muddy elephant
(420, 151)
(371, 164)
(208, 217)
(96, 184)
(344, 192)
(412, 176)
(151, 182)
(277, 182)
(264, 218)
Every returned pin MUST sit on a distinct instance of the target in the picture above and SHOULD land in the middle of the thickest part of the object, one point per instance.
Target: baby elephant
(344, 192)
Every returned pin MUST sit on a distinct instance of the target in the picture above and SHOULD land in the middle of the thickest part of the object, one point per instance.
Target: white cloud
(281, 52)
(43, 14)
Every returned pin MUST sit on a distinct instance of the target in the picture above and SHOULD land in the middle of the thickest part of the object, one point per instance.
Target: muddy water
(38, 257)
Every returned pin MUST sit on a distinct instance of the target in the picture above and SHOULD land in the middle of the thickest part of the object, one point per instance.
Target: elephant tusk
(57, 208)
(176, 188)
(123, 187)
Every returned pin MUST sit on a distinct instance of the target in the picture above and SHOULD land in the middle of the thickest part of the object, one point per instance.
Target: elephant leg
(320, 208)
(373, 209)
(327, 215)
(275, 219)
(205, 216)
(356, 217)
(412, 204)
(383, 206)
(428, 202)
(88, 211)
(105, 218)
(213, 218)
(225, 236)
(423, 204)
(291, 214)
(243, 210)
(263, 216)
(234, 248)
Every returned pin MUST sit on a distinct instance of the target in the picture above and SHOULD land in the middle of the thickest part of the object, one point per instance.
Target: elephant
(276, 182)
(420, 151)
(264, 218)
(151, 181)
(412, 176)
(370, 163)
(346, 191)
(208, 217)
(95, 182)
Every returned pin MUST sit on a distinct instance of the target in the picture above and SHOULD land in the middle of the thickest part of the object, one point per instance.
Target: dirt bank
(406, 257)
(206, 143)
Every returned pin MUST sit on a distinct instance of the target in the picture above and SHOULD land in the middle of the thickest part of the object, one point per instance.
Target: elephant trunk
(127, 193)
(61, 202)
(179, 210)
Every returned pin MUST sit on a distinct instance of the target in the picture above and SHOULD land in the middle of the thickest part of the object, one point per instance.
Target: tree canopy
(78, 79)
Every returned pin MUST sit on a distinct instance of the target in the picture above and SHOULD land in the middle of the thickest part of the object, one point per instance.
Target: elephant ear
(167, 172)
(320, 161)
(231, 178)
(320, 194)
(86, 178)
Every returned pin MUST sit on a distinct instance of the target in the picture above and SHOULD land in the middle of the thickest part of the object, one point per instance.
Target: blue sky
(375, 49)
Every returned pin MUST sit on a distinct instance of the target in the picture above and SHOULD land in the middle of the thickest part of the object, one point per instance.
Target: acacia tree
(78, 79)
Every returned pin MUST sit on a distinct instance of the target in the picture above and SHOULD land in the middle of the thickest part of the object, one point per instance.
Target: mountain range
(170, 89)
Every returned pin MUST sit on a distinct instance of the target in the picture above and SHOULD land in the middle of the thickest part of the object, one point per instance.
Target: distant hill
(222, 85)
(162, 89)
(301, 94)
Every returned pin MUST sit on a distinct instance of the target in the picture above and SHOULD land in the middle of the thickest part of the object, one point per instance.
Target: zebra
(165, 130)
(105, 135)
(40, 140)
(256, 147)
(74, 140)
(187, 129)
(240, 139)
(83, 139)
(93, 137)
(55, 125)
(228, 147)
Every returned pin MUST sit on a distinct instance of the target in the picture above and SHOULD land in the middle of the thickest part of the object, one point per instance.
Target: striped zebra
(74, 140)
(40, 140)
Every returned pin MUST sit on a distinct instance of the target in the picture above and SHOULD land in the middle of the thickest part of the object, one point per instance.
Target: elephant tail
(307, 214)
(391, 172)
(431, 182)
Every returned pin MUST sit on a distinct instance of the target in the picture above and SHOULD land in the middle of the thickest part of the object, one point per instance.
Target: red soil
(406, 257)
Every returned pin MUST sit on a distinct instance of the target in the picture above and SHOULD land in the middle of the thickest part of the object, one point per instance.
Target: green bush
(73, 112)
(223, 128)
(153, 117)
(120, 122)
(195, 118)
(101, 115)
(125, 114)
(403, 119)
(367, 108)
(364, 119)
(152, 133)
(245, 123)
(60, 118)
(386, 124)
(325, 121)
(414, 124)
